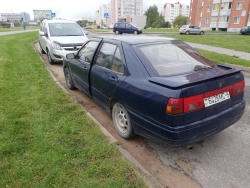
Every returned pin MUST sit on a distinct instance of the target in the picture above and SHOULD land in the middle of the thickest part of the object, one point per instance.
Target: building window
(208, 9)
(216, 6)
(224, 18)
(239, 6)
(214, 19)
(207, 20)
(226, 5)
(236, 20)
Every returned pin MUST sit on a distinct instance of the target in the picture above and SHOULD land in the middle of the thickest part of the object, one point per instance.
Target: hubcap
(121, 120)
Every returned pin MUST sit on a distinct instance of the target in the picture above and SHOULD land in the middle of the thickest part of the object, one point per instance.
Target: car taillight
(193, 103)
(238, 87)
(174, 106)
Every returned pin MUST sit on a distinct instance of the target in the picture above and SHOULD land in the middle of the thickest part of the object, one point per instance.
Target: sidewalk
(16, 32)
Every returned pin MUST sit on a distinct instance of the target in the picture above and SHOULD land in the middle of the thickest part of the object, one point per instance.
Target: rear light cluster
(183, 105)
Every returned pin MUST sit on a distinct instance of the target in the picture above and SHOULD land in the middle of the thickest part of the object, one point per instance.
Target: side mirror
(70, 56)
(86, 32)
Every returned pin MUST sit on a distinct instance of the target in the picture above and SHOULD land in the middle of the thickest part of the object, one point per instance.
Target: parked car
(157, 87)
(85, 31)
(191, 29)
(122, 27)
(245, 30)
(89, 27)
(5, 24)
(59, 37)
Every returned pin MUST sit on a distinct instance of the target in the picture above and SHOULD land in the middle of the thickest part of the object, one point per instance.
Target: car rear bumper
(190, 133)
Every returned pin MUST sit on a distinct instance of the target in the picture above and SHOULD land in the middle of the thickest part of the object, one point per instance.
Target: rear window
(184, 26)
(65, 29)
(245, 27)
(173, 59)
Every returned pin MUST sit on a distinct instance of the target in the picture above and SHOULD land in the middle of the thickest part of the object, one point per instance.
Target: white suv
(57, 38)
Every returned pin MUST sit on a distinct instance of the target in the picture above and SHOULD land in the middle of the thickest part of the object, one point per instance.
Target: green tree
(180, 20)
(152, 16)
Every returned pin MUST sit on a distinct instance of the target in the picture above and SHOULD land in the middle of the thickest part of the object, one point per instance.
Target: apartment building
(103, 9)
(171, 10)
(227, 15)
(121, 8)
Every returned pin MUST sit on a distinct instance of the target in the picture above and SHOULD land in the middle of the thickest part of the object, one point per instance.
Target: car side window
(109, 57)
(128, 26)
(87, 52)
(122, 25)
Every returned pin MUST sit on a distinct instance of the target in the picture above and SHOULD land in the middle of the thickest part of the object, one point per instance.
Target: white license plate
(209, 101)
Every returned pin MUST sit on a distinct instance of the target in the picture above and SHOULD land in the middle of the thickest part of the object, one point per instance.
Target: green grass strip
(222, 58)
(46, 140)
(234, 42)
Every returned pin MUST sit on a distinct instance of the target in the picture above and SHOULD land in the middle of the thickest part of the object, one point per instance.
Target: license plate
(209, 101)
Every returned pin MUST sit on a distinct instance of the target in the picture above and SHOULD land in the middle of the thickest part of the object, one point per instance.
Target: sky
(70, 9)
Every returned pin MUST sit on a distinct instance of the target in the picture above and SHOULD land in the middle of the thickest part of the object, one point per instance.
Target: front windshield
(65, 29)
(133, 25)
(174, 59)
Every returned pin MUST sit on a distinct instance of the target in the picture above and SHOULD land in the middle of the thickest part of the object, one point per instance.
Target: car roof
(136, 39)
(59, 21)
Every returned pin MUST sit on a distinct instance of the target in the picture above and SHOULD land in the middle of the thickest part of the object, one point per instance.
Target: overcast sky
(69, 9)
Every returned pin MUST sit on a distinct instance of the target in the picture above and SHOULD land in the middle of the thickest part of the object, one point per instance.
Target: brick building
(227, 15)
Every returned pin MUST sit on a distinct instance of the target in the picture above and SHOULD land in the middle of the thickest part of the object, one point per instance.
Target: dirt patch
(167, 176)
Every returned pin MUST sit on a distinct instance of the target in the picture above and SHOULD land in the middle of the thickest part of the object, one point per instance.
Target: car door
(80, 66)
(129, 28)
(107, 72)
(43, 39)
(191, 29)
(196, 30)
(122, 28)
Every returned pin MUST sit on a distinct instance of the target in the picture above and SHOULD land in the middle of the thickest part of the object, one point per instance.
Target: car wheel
(41, 49)
(202, 33)
(135, 32)
(187, 33)
(117, 32)
(49, 58)
(68, 79)
(122, 121)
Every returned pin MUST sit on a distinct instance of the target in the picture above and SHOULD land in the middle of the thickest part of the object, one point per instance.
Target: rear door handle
(113, 79)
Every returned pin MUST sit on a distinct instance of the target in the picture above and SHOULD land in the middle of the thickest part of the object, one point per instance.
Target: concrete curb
(147, 176)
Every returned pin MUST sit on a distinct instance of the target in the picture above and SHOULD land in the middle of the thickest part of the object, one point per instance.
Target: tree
(152, 16)
(180, 20)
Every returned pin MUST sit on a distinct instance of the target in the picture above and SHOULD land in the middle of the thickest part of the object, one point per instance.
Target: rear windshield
(245, 27)
(65, 29)
(184, 26)
(173, 59)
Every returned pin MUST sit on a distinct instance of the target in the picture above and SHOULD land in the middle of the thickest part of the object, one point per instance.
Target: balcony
(213, 24)
(215, 13)
(227, 1)
(223, 25)
(225, 12)
(216, 1)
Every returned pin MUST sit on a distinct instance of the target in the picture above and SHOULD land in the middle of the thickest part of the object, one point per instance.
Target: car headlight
(56, 46)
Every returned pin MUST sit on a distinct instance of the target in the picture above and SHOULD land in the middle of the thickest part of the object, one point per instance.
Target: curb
(149, 179)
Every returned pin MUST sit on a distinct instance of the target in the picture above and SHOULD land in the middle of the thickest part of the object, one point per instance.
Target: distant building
(13, 17)
(119, 8)
(139, 21)
(171, 10)
(228, 15)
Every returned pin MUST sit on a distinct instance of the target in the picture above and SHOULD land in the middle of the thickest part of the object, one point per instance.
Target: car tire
(117, 32)
(122, 121)
(135, 33)
(41, 49)
(49, 58)
(187, 33)
(68, 79)
(202, 33)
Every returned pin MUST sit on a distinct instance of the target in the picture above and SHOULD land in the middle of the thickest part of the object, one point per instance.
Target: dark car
(122, 27)
(245, 30)
(157, 87)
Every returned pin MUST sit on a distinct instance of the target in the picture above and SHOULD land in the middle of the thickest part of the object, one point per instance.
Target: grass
(18, 28)
(221, 58)
(234, 42)
(46, 140)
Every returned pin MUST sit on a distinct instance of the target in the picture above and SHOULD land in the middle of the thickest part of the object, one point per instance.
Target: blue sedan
(157, 87)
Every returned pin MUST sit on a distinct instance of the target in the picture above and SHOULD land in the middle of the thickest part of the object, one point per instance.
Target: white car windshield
(65, 29)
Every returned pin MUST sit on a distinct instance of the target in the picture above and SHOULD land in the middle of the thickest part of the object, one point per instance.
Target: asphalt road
(222, 160)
